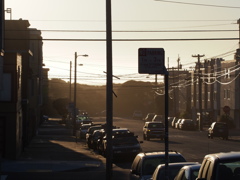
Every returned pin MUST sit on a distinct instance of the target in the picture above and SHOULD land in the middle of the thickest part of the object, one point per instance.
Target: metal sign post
(151, 61)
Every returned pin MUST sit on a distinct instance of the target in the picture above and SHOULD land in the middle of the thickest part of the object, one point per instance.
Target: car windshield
(156, 125)
(228, 170)
(150, 164)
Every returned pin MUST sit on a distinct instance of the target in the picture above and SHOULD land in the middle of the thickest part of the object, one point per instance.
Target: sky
(177, 26)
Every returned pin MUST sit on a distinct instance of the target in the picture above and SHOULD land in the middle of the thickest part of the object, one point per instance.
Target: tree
(61, 106)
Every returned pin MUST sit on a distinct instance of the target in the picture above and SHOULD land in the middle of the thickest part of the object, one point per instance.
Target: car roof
(121, 129)
(157, 154)
(179, 164)
(224, 156)
(154, 122)
(195, 166)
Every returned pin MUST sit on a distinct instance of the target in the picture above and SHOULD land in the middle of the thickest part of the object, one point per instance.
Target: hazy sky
(133, 21)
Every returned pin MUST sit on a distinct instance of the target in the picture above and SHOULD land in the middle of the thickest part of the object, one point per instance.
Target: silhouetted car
(153, 130)
(178, 123)
(218, 129)
(187, 124)
(220, 166)
(173, 169)
(83, 130)
(188, 172)
(89, 134)
(149, 117)
(94, 140)
(144, 164)
(123, 143)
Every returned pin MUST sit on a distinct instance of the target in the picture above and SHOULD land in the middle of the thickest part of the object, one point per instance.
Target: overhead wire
(197, 4)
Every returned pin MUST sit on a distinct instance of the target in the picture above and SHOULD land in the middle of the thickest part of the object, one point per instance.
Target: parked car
(125, 145)
(89, 134)
(218, 129)
(139, 169)
(173, 169)
(178, 123)
(170, 119)
(153, 130)
(83, 130)
(149, 117)
(220, 166)
(137, 115)
(93, 143)
(187, 124)
(188, 172)
(116, 136)
(159, 118)
(174, 122)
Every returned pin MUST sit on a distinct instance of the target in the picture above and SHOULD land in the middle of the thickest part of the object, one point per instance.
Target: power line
(137, 21)
(119, 40)
(196, 4)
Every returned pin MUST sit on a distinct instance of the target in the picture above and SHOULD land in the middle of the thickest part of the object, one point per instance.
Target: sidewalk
(53, 150)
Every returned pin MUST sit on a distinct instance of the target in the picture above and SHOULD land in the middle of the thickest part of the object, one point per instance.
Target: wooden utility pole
(70, 83)
(238, 22)
(199, 90)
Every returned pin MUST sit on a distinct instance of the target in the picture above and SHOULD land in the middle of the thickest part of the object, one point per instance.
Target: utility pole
(70, 82)
(199, 90)
(238, 22)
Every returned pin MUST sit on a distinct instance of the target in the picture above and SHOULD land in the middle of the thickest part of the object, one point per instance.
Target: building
(21, 97)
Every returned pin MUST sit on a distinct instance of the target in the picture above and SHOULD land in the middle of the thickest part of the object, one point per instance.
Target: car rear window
(179, 158)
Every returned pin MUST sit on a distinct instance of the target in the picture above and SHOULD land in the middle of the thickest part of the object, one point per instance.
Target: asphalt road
(193, 145)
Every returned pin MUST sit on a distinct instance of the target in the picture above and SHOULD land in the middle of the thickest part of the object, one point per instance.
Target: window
(215, 95)
(228, 94)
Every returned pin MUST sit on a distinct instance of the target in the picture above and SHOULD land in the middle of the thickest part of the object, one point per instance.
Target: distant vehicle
(220, 166)
(90, 132)
(83, 130)
(149, 117)
(153, 130)
(139, 169)
(178, 123)
(173, 169)
(93, 143)
(188, 172)
(120, 132)
(159, 118)
(125, 146)
(137, 115)
(174, 121)
(170, 119)
(218, 129)
(187, 124)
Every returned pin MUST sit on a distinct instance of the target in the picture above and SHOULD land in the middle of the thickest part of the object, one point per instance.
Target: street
(56, 153)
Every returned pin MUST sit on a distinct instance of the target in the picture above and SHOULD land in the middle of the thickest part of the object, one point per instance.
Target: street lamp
(75, 88)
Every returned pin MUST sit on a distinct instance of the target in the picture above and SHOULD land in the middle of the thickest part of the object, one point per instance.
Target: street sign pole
(151, 61)
(166, 126)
